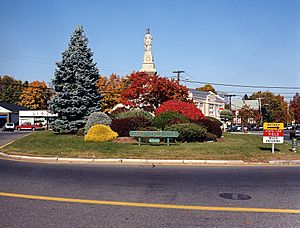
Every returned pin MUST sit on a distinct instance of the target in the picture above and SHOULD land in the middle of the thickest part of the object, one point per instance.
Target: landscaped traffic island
(230, 147)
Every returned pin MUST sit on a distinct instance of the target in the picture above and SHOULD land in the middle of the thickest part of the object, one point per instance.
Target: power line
(247, 86)
(30, 59)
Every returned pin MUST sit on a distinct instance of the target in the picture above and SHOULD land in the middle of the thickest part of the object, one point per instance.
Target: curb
(285, 162)
(142, 161)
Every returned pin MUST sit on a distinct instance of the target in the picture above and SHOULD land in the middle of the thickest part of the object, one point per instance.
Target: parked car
(288, 127)
(257, 128)
(29, 126)
(295, 132)
(8, 127)
(235, 128)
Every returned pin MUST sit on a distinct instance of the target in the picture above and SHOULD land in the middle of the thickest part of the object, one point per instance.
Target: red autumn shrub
(124, 125)
(212, 126)
(187, 109)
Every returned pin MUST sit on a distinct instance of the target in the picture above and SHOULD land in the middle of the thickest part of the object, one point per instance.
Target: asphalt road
(268, 187)
(8, 136)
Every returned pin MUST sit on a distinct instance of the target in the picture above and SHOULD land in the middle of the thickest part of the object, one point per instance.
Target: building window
(211, 106)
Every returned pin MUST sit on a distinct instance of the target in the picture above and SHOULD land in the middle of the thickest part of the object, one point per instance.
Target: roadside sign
(272, 139)
(273, 133)
(273, 126)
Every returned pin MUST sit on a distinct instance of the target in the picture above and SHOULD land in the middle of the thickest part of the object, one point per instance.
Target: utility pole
(230, 95)
(178, 72)
(260, 110)
(259, 103)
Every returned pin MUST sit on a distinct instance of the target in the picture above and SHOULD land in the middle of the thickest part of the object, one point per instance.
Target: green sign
(157, 134)
(154, 140)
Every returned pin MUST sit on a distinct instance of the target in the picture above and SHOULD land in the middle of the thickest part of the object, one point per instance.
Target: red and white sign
(273, 133)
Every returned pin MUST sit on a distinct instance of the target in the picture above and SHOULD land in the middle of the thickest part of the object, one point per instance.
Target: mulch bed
(125, 140)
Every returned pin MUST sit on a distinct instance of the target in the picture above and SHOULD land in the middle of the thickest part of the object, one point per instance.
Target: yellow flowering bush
(100, 133)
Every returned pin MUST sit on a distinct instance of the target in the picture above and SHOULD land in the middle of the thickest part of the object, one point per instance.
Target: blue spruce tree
(76, 94)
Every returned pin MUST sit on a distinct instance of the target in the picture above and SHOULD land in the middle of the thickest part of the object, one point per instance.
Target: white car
(9, 127)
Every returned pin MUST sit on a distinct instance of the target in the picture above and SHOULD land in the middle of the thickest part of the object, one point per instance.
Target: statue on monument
(148, 63)
(148, 41)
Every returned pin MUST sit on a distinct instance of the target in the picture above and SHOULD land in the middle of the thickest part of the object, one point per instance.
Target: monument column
(148, 63)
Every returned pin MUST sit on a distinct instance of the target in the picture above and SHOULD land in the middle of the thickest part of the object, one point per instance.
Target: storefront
(42, 117)
(9, 113)
(4, 116)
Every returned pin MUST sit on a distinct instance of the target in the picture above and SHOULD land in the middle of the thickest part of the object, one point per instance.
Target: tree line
(77, 90)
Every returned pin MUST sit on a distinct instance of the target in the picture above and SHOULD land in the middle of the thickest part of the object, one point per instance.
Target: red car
(29, 126)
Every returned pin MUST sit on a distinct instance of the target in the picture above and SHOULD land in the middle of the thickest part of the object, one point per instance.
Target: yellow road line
(150, 205)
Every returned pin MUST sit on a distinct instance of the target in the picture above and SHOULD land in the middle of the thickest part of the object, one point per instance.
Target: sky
(244, 42)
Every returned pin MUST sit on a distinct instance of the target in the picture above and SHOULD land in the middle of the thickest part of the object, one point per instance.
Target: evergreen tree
(74, 82)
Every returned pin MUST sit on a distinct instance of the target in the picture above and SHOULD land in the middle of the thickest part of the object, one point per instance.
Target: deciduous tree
(10, 89)
(246, 114)
(35, 95)
(75, 78)
(207, 88)
(295, 107)
(149, 91)
(111, 88)
(273, 107)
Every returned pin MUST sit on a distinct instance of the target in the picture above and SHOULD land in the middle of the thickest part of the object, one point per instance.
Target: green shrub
(123, 126)
(97, 118)
(210, 137)
(100, 133)
(115, 112)
(169, 118)
(149, 128)
(188, 132)
(80, 132)
(134, 113)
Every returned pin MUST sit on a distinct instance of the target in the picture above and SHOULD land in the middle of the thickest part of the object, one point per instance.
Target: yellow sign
(273, 126)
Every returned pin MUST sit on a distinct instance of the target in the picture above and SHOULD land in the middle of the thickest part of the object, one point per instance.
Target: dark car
(235, 128)
(295, 132)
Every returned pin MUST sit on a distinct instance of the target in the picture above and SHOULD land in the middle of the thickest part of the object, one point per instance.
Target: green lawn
(231, 146)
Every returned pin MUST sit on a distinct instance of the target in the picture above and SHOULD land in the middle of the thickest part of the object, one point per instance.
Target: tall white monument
(148, 63)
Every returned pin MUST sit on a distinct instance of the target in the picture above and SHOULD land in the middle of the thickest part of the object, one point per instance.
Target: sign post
(273, 133)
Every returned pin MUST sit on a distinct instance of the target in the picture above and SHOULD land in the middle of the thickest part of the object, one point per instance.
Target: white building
(36, 117)
(209, 103)
(239, 103)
